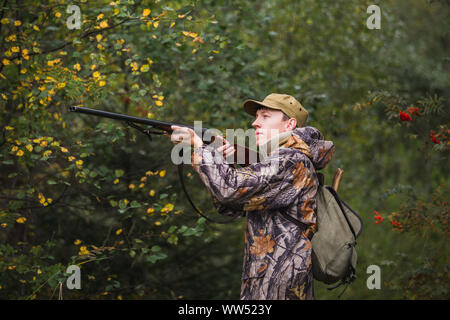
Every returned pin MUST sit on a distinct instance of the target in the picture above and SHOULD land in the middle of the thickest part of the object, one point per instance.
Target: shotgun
(163, 126)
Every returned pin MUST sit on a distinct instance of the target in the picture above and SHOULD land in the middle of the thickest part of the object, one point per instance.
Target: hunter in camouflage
(277, 254)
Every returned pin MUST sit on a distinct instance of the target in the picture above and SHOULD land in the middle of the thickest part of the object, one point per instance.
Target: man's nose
(256, 124)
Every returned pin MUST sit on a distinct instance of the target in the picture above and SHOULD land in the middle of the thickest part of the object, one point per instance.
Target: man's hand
(225, 147)
(188, 136)
(185, 135)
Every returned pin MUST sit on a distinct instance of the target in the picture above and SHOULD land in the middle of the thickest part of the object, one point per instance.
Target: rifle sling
(148, 133)
(180, 175)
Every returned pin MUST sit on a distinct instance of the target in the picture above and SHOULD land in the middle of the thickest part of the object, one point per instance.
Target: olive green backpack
(333, 244)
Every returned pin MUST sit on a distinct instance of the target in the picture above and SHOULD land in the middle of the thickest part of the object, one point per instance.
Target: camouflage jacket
(275, 248)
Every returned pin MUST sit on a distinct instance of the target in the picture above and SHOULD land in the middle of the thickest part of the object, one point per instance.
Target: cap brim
(251, 106)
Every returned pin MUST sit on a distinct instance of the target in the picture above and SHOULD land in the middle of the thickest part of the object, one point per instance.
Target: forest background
(79, 190)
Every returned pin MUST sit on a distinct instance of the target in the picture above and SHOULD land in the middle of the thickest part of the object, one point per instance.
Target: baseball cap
(283, 102)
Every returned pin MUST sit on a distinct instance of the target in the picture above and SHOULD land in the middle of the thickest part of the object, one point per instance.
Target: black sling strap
(148, 133)
(180, 176)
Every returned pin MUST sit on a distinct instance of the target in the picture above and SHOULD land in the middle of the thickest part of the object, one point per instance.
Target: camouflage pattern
(277, 252)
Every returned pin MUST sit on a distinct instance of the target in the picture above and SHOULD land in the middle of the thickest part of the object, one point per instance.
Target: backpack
(334, 255)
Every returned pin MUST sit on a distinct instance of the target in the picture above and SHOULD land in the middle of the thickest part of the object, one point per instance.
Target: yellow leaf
(190, 34)
(58, 14)
(21, 220)
(134, 66)
(146, 12)
(47, 153)
(145, 68)
(83, 251)
(119, 231)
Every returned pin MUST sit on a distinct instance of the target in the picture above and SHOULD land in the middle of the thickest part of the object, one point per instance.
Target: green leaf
(172, 229)
(156, 249)
(113, 203)
(135, 204)
(118, 173)
(173, 239)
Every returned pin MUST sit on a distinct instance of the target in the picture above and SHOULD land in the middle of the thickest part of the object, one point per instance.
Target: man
(277, 253)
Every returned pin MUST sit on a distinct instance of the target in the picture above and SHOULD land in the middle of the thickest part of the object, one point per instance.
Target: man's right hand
(226, 148)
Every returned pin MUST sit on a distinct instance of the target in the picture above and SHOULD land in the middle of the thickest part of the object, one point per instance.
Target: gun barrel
(162, 125)
(250, 155)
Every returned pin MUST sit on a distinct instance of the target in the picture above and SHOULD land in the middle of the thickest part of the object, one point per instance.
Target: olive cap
(283, 102)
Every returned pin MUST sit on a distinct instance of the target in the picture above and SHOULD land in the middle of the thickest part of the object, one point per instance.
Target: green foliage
(95, 193)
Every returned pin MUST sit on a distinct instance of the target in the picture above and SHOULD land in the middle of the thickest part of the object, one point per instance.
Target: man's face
(269, 123)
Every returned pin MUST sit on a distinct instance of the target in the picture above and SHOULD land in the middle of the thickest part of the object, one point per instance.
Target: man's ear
(292, 123)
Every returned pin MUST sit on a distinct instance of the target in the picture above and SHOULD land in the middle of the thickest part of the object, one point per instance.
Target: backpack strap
(321, 178)
(307, 230)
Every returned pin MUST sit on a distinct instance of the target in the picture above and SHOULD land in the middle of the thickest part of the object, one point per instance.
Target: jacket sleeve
(271, 184)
